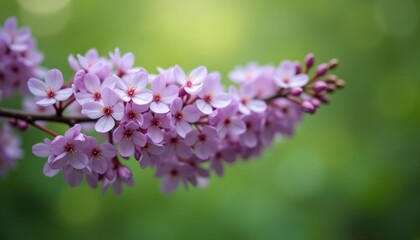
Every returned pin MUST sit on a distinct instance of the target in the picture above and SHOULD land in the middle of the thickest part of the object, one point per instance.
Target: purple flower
(128, 137)
(99, 155)
(246, 99)
(154, 125)
(120, 175)
(109, 110)
(245, 74)
(70, 149)
(183, 117)
(123, 63)
(204, 141)
(176, 146)
(253, 125)
(228, 122)
(92, 63)
(192, 83)
(286, 76)
(49, 91)
(74, 176)
(133, 112)
(162, 95)
(149, 154)
(133, 89)
(94, 88)
(212, 95)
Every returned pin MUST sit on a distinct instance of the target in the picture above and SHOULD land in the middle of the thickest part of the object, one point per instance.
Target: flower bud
(13, 122)
(22, 125)
(319, 86)
(323, 98)
(330, 88)
(309, 60)
(298, 67)
(340, 83)
(321, 70)
(333, 64)
(297, 91)
(124, 173)
(307, 107)
(316, 102)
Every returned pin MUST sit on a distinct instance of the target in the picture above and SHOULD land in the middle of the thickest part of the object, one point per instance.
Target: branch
(31, 118)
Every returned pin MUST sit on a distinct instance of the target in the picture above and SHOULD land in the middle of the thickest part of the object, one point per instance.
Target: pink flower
(286, 76)
(123, 63)
(154, 125)
(183, 117)
(69, 149)
(229, 122)
(246, 99)
(133, 89)
(128, 137)
(204, 142)
(49, 91)
(93, 87)
(149, 154)
(176, 146)
(212, 95)
(133, 112)
(99, 155)
(109, 110)
(162, 95)
(192, 83)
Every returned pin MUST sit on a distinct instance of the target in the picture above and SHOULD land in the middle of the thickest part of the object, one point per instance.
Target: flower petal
(159, 107)
(204, 107)
(37, 87)
(54, 78)
(92, 110)
(221, 100)
(92, 82)
(104, 124)
(63, 94)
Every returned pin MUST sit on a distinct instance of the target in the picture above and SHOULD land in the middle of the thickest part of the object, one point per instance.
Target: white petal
(37, 87)
(159, 107)
(204, 107)
(104, 124)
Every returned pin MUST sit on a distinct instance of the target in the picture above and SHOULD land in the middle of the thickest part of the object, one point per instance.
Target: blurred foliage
(351, 172)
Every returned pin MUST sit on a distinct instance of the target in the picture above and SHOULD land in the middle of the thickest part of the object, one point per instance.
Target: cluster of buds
(185, 125)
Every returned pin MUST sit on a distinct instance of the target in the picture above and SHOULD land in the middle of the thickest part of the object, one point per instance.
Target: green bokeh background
(352, 171)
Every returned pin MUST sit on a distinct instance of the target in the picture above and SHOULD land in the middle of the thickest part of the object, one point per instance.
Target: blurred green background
(352, 171)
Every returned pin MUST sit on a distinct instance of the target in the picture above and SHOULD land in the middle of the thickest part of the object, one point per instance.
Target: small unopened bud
(308, 107)
(340, 83)
(124, 173)
(297, 91)
(298, 67)
(13, 122)
(309, 60)
(333, 63)
(319, 86)
(316, 102)
(330, 88)
(324, 98)
(22, 125)
(321, 70)
(332, 79)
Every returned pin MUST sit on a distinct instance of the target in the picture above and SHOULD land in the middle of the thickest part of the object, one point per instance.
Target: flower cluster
(186, 125)
(183, 124)
(19, 59)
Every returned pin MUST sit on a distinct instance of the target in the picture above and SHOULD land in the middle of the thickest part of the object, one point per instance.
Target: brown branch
(31, 118)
